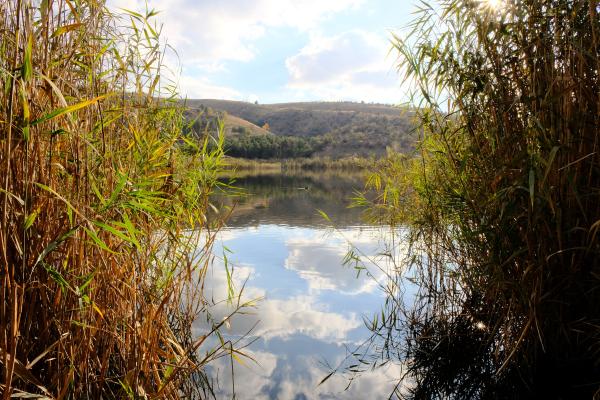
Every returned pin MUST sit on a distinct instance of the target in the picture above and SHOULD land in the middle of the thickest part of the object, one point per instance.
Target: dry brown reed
(505, 245)
(99, 287)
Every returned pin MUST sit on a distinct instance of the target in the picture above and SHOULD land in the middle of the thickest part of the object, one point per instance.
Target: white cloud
(250, 378)
(207, 34)
(351, 66)
(214, 30)
(300, 377)
(283, 318)
(320, 267)
(277, 318)
(201, 88)
(326, 58)
(320, 264)
(378, 383)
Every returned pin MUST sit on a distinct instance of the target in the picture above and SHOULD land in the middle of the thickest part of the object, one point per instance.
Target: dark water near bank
(312, 310)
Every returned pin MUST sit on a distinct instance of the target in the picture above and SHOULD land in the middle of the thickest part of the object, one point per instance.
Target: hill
(333, 129)
(202, 117)
(235, 124)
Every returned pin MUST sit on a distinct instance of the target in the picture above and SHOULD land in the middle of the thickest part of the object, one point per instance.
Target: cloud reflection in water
(315, 316)
(317, 258)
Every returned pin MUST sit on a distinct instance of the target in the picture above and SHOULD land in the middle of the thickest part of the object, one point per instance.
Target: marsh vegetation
(95, 194)
(502, 204)
(112, 195)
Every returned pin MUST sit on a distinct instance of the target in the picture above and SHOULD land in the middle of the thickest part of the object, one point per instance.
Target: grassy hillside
(340, 128)
(233, 123)
(201, 118)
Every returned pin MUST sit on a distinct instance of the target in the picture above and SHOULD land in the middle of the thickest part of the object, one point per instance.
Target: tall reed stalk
(100, 279)
(505, 203)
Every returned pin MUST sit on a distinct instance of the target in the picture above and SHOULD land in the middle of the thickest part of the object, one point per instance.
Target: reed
(327, 164)
(290, 165)
(245, 164)
(100, 278)
(504, 203)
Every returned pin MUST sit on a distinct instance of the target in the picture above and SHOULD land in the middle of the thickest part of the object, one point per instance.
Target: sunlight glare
(492, 5)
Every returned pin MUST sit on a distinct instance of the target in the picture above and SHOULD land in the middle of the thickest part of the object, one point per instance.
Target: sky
(274, 51)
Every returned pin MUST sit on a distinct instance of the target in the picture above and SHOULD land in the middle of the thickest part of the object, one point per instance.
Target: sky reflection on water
(312, 307)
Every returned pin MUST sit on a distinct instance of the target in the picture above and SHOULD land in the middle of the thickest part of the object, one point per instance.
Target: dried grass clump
(505, 230)
(99, 285)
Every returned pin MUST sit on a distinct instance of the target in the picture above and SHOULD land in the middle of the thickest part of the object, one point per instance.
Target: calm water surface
(312, 307)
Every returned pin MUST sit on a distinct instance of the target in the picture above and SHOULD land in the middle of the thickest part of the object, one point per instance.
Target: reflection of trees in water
(294, 198)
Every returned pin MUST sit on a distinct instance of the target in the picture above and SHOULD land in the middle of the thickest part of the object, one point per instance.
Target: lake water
(311, 311)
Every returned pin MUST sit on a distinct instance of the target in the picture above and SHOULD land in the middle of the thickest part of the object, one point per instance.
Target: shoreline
(351, 164)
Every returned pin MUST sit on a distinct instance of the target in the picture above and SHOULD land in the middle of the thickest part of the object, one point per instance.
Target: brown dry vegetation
(94, 198)
(503, 207)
